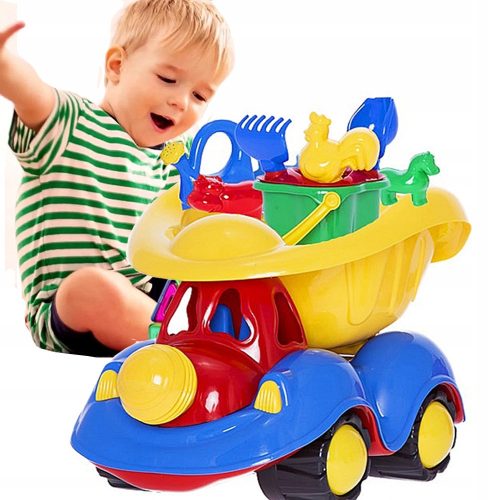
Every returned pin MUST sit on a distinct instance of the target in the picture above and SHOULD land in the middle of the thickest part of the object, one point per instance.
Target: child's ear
(114, 60)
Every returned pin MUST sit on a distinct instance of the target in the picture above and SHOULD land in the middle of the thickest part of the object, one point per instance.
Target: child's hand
(8, 32)
(33, 99)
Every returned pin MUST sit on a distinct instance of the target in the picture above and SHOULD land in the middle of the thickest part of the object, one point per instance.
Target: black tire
(116, 482)
(303, 476)
(406, 463)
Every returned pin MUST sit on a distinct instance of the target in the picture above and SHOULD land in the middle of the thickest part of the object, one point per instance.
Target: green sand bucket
(288, 205)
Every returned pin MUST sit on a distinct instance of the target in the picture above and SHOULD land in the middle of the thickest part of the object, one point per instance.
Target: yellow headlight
(106, 388)
(269, 398)
(156, 384)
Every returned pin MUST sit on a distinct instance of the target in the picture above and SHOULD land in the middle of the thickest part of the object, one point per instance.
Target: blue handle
(379, 115)
(238, 167)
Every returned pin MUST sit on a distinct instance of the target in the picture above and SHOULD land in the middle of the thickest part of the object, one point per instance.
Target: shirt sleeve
(172, 177)
(36, 151)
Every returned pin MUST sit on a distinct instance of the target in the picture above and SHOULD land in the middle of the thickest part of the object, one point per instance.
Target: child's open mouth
(161, 122)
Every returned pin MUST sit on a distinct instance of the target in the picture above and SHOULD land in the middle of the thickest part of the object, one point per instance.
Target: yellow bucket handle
(330, 201)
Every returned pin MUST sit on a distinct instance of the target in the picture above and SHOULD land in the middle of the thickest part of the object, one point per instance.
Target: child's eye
(165, 79)
(199, 97)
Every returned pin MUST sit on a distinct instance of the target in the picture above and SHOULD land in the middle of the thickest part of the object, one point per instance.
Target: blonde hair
(185, 23)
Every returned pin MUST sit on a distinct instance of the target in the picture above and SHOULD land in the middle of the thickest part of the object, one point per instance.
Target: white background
(293, 57)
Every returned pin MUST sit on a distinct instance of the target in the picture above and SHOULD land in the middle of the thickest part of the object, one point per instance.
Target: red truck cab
(233, 333)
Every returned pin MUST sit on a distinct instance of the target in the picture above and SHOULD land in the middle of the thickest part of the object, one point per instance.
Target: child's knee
(91, 285)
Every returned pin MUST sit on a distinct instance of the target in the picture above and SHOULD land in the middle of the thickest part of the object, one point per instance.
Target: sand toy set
(265, 353)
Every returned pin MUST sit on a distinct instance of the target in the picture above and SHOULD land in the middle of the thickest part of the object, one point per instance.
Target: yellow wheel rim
(346, 460)
(156, 384)
(436, 435)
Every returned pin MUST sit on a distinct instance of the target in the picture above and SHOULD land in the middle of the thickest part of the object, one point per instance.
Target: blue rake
(264, 140)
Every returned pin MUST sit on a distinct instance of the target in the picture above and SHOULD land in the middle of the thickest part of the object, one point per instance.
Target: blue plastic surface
(237, 169)
(379, 115)
(317, 388)
(263, 138)
(222, 321)
(398, 370)
(391, 376)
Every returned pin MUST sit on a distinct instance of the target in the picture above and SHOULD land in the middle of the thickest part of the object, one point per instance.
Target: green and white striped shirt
(85, 185)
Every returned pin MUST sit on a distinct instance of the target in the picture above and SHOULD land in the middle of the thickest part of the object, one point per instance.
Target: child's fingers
(7, 33)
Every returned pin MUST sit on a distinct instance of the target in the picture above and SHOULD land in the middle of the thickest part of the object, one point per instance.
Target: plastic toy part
(330, 201)
(349, 303)
(245, 237)
(346, 290)
(106, 388)
(379, 115)
(156, 384)
(264, 140)
(246, 248)
(269, 398)
(407, 462)
(172, 152)
(268, 356)
(436, 435)
(390, 375)
(325, 161)
(304, 215)
(238, 167)
(233, 346)
(114, 481)
(211, 194)
(292, 175)
(153, 330)
(415, 180)
(167, 293)
(323, 468)
(347, 460)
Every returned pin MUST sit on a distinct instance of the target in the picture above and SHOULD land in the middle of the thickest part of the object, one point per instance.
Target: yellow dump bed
(346, 289)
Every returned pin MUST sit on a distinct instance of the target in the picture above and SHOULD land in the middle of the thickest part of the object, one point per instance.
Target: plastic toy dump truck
(268, 356)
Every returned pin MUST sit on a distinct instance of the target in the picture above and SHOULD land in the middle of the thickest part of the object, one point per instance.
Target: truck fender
(398, 370)
(317, 387)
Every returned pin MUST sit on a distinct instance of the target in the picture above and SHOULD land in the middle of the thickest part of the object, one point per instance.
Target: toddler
(90, 170)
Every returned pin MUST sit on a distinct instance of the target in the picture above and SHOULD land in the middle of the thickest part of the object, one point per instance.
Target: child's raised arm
(33, 99)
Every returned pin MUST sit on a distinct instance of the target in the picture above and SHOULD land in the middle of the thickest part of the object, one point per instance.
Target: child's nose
(178, 100)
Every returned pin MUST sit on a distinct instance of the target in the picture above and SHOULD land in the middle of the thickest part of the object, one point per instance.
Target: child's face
(157, 94)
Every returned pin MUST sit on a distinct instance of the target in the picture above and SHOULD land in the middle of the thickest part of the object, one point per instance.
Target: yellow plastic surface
(172, 152)
(324, 160)
(106, 388)
(152, 246)
(331, 201)
(156, 384)
(269, 398)
(228, 237)
(349, 303)
(346, 289)
(436, 435)
(346, 460)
